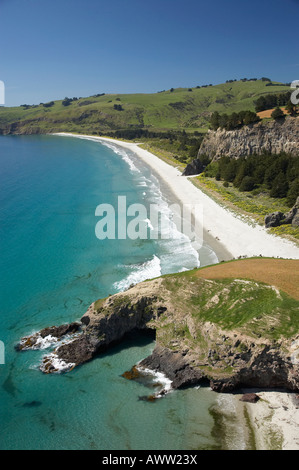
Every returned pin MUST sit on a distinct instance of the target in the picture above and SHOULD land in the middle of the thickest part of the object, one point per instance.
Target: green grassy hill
(177, 109)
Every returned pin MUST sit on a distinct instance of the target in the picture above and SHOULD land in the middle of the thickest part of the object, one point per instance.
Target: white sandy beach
(275, 420)
(236, 235)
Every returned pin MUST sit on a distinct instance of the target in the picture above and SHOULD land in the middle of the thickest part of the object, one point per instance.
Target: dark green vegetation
(276, 175)
(272, 101)
(174, 109)
(264, 102)
(234, 120)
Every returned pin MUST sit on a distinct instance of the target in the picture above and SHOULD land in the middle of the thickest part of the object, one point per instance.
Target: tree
(247, 184)
(240, 173)
(277, 113)
(229, 171)
(293, 192)
(250, 117)
(223, 120)
(48, 105)
(215, 120)
(233, 121)
(280, 186)
(67, 101)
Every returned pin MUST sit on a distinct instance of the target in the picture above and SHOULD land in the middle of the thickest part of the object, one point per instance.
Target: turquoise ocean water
(52, 267)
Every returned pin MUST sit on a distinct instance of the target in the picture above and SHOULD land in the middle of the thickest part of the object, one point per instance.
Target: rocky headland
(229, 333)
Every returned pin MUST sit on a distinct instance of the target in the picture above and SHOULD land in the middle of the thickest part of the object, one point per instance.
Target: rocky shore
(190, 348)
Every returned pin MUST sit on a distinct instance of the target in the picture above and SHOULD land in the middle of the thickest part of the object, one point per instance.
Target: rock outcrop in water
(190, 347)
(274, 137)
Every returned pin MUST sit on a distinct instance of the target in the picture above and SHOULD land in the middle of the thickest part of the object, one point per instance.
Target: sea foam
(148, 270)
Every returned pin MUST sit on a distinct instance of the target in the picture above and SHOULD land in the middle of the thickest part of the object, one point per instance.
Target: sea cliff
(275, 136)
(229, 333)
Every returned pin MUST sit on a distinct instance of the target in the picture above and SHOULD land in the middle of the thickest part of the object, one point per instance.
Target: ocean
(53, 266)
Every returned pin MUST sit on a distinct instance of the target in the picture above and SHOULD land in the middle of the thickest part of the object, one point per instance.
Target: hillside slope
(180, 108)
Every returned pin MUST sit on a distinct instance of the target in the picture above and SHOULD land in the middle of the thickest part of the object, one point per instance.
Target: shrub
(280, 186)
(293, 192)
(247, 184)
(277, 113)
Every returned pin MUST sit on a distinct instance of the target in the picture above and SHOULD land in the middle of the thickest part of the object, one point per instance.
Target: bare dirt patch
(268, 112)
(283, 274)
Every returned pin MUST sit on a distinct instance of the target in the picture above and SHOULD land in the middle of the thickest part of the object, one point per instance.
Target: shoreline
(274, 419)
(228, 235)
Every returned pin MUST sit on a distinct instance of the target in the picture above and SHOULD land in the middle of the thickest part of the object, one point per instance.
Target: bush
(293, 192)
(277, 113)
(247, 184)
(280, 186)
(66, 101)
(48, 105)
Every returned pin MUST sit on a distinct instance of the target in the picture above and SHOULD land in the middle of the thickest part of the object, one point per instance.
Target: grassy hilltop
(174, 109)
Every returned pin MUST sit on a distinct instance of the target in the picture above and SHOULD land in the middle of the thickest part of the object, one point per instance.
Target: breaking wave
(148, 270)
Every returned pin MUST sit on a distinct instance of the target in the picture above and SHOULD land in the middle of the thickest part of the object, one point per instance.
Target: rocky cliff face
(190, 348)
(273, 137)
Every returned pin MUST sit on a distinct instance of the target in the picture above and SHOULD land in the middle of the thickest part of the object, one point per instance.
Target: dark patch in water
(132, 374)
(150, 398)
(33, 403)
(8, 384)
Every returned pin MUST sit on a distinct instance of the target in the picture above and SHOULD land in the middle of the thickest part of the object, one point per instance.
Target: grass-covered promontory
(234, 324)
(173, 109)
(255, 296)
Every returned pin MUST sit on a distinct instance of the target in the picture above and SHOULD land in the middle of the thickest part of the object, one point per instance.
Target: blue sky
(52, 49)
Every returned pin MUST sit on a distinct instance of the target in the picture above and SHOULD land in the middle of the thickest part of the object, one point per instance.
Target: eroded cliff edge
(231, 333)
(276, 136)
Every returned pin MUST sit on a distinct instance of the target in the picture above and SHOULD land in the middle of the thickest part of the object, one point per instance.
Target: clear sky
(50, 49)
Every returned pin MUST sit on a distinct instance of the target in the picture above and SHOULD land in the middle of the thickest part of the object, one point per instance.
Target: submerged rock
(132, 374)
